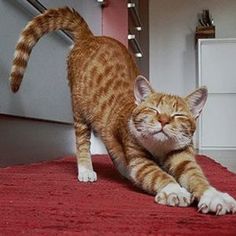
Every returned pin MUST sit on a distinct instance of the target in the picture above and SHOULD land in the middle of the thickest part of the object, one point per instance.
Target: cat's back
(101, 73)
(100, 54)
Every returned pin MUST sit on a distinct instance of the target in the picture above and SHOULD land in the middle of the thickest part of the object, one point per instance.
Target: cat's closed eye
(179, 115)
(152, 109)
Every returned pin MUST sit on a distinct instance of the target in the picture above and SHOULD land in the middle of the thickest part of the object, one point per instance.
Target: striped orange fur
(147, 134)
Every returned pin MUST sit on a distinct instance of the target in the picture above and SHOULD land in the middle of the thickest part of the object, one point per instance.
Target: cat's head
(163, 122)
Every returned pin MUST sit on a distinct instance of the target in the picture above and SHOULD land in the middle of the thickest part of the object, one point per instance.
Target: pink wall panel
(115, 20)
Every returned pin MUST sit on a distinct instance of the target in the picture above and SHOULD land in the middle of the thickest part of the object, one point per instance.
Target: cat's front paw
(174, 195)
(86, 175)
(216, 202)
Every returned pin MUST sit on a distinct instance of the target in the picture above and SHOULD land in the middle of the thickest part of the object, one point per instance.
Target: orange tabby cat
(147, 134)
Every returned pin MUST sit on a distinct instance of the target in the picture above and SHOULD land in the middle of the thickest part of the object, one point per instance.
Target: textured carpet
(47, 199)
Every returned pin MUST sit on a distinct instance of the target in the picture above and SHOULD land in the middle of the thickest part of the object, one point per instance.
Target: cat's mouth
(156, 132)
(161, 131)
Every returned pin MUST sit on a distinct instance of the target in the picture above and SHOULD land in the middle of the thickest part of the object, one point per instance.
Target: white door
(217, 70)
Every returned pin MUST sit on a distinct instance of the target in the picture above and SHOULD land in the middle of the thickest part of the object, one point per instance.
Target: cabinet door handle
(102, 2)
(133, 9)
(135, 44)
(131, 36)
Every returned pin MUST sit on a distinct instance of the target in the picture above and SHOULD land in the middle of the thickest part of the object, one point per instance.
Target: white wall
(173, 66)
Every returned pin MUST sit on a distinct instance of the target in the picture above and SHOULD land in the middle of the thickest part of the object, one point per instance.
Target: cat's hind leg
(83, 156)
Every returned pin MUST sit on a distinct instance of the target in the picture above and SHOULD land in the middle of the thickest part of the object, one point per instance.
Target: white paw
(174, 195)
(216, 202)
(86, 175)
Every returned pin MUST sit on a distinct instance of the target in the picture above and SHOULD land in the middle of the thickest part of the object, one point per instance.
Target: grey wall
(44, 93)
(173, 66)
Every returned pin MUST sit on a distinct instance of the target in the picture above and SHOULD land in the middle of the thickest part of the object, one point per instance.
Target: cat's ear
(196, 101)
(142, 89)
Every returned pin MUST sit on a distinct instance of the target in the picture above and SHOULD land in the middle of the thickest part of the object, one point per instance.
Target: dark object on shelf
(205, 32)
(206, 27)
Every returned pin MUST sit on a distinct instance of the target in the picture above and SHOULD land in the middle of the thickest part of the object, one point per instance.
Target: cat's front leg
(174, 195)
(182, 165)
(218, 202)
(146, 174)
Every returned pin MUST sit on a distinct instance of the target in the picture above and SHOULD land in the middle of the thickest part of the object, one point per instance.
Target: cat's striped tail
(51, 20)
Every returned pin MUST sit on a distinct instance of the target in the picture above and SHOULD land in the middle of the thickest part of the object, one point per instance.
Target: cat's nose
(164, 119)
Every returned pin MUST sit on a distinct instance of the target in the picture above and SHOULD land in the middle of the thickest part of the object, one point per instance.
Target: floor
(226, 158)
(27, 141)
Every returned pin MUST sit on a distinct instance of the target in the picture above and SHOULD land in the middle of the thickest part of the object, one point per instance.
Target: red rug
(47, 199)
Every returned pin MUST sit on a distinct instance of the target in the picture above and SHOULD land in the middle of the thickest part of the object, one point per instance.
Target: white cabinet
(217, 70)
